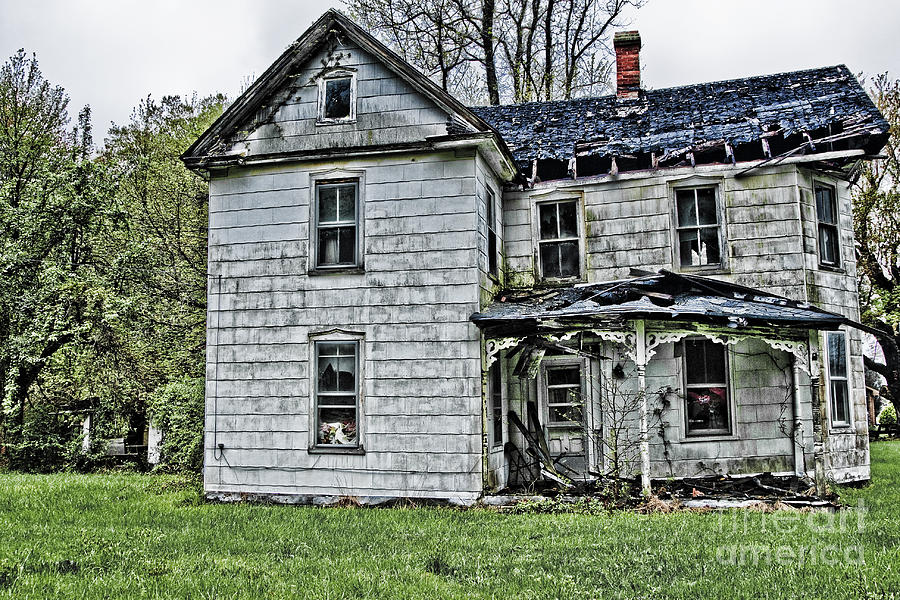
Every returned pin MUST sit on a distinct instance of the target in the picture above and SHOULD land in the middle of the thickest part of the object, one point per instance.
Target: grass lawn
(129, 535)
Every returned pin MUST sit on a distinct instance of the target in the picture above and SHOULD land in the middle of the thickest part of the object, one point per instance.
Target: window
(829, 233)
(336, 225)
(706, 387)
(493, 239)
(337, 98)
(337, 393)
(559, 242)
(495, 397)
(699, 231)
(564, 395)
(837, 377)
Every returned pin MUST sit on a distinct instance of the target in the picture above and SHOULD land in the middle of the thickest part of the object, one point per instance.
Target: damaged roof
(664, 296)
(827, 100)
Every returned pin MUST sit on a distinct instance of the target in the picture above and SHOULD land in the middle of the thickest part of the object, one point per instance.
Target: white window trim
(586, 409)
(492, 446)
(554, 197)
(338, 73)
(700, 436)
(336, 335)
(331, 177)
(839, 265)
(695, 183)
(493, 207)
(834, 424)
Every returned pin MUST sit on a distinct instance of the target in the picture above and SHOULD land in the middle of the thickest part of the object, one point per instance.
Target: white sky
(112, 53)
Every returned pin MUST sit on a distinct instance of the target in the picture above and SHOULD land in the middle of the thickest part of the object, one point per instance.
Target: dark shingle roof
(663, 296)
(665, 120)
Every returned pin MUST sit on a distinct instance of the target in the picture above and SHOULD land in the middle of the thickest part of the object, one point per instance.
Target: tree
(876, 219)
(52, 210)
(161, 250)
(502, 50)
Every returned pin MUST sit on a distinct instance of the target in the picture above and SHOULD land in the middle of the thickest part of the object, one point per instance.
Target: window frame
(831, 379)
(554, 198)
(495, 404)
(549, 364)
(325, 179)
(495, 253)
(322, 82)
(820, 224)
(730, 401)
(694, 185)
(336, 336)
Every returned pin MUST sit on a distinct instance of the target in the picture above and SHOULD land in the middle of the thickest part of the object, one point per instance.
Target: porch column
(818, 412)
(641, 365)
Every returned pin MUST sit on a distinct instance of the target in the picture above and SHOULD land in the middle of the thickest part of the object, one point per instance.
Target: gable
(276, 116)
(387, 109)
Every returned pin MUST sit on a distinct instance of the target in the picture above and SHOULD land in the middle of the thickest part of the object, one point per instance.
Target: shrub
(177, 410)
(47, 441)
(888, 416)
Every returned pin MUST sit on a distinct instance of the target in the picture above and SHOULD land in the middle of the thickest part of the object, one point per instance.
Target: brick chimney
(628, 64)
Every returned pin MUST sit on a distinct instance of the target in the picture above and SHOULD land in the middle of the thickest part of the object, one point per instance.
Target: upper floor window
(707, 409)
(829, 231)
(559, 241)
(337, 393)
(336, 224)
(493, 239)
(837, 377)
(337, 97)
(698, 227)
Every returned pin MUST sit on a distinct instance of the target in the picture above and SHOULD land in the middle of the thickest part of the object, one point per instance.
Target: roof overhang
(664, 296)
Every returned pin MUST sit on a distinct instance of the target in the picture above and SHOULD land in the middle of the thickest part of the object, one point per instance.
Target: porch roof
(663, 296)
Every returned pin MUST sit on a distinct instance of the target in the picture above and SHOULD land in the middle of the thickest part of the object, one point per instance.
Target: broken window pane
(689, 247)
(709, 246)
(337, 98)
(706, 386)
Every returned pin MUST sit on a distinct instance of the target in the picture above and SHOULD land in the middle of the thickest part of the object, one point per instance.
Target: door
(565, 408)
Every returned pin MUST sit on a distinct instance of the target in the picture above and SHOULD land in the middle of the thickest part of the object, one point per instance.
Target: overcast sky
(112, 53)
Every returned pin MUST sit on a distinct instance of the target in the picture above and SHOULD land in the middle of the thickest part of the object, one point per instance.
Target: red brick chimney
(628, 63)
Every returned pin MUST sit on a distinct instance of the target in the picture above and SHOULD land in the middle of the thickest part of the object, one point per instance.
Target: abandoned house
(409, 297)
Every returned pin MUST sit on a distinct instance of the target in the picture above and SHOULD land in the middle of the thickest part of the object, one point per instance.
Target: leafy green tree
(52, 211)
(876, 217)
(160, 252)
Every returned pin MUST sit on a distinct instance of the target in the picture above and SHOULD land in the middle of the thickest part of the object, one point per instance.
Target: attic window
(337, 98)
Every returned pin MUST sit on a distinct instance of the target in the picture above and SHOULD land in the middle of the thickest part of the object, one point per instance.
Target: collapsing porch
(610, 325)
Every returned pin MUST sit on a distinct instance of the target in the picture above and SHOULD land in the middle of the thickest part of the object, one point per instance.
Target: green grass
(128, 535)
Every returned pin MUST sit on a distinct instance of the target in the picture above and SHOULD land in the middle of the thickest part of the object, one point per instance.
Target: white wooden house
(396, 278)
